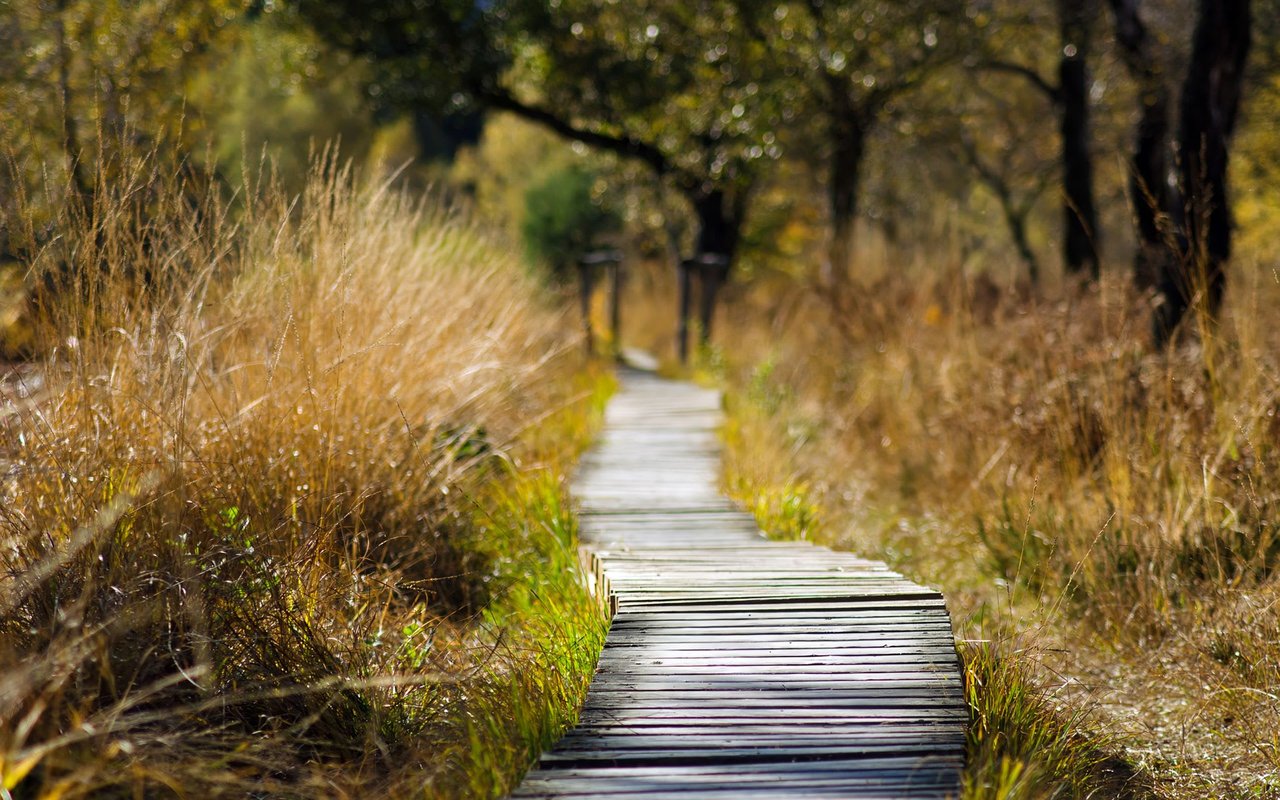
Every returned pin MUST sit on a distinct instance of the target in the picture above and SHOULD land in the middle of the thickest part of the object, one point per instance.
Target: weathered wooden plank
(825, 636)
(866, 606)
(888, 771)
(574, 755)
(772, 647)
(783, 699)
(871, 792)
(685, 619)
(641, 656)
(600, 782)
(790, 728)
(916, 682)
(712, 663)
(874, 765)
(831, 629)
(737, 666)
(658, 784)
(629, 718)
(766, 630)
(943, 689)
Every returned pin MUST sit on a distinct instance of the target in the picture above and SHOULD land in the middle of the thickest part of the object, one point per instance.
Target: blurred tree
(279, 92)
(1207, 111)
(1070, 96)
(483, 171)
(89, 78)
(565, 216)
(1016, 201)
(1255, 150)
(969, 148)
(678, 88)
(682, 87)
(1184, 224)
(1149, 161)
(847, 62)
(1080, 216)
(441, 135)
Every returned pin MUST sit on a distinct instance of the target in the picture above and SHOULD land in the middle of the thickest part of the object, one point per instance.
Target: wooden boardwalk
(738, 667)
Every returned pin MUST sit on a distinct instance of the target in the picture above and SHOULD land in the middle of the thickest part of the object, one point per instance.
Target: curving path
(738, 667)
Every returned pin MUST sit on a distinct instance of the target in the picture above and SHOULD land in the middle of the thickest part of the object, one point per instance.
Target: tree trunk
(1015, 212)
(1080, 214)
(1149, 167)
(848, 146)
(80, 185)
(1149, 186)
(1016, 219)
(1210, 103)
(847, 129)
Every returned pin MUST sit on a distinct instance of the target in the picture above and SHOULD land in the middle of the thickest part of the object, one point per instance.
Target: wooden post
(615, 305)
(584, 284)
(587, 266)
(714, 268)
(685, 281)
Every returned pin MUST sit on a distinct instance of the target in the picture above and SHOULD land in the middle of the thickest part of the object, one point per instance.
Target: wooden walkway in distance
(738, 667)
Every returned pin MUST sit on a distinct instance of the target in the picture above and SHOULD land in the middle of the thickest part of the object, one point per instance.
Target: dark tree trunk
(1210, 103)
(80, 184)
(848, 124)
(1149, 186)
(719, 221)
(848, 146)
(719, 213)
(1080, 214)
(719, 231)
(1149, 168)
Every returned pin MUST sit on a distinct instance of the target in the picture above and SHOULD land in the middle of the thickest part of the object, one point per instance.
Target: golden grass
(1065, 485)
(249, 540)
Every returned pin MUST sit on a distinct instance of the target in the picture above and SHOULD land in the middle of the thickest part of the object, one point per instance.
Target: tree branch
(1054, 93)
(623, 145)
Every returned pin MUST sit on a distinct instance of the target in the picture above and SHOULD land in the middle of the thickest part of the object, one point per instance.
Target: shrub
(564, 218)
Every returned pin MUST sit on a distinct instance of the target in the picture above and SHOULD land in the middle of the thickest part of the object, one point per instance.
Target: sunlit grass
(286, 517)
(1023, 744)
(1112, 507)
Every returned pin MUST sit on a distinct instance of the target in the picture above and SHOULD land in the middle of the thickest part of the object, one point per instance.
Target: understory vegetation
(282, 509)
(282, 450)
(1102, 515)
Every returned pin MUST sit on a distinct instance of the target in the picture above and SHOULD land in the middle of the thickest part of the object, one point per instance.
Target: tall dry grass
(246, 535)
(1107, 511)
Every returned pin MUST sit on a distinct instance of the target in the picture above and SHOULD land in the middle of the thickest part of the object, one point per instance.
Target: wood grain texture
(736, 666)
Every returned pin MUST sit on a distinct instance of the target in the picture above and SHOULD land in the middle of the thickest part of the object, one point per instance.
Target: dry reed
(1106, 511)
(238, 549)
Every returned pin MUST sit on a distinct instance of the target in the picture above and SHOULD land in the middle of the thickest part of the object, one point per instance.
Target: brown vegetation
(274, 517)
(1102, 513)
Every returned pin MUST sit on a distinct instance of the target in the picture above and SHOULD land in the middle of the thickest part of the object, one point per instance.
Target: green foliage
(1020, 745)
(497, 192)
(565, 216)
(690, 95)
(279, 91)
(81, 81)
(786, 512)
(545, 624)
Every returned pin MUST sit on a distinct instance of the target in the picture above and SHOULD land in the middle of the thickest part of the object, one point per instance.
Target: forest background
(999, 287)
